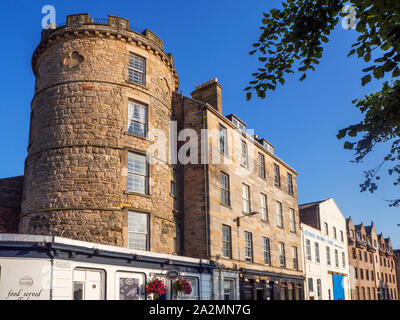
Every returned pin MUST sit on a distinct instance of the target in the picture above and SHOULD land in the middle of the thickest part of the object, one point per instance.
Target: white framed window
(138, 178)
(336, 259)
(292, 220)
(173, 183)
(310, 285)
(267, 251)
(130, 285)
(261, 165)
(225, 192)
(137, 69)
(343, 260)
(316, 248)
(229, 289)
(137, 119)
(138, 230)
(264, 210)
(246, 198)
(194, 283)
(319, 289)
(295, 258)
(282, 258)
(226, 241)
(326, 229)
(290, 183)
(248, 246)
(279, 214)
(334, 233)
(277, 175)
(245, 157)
(308, 250)
(223, 140)
(328, 256)
(341, 236)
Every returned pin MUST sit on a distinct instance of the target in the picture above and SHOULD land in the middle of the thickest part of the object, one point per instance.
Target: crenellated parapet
(83, 26)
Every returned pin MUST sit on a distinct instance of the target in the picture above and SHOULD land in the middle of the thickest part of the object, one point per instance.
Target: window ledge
(137, 84)
(131, 193)
(137, 136)
(225, 205)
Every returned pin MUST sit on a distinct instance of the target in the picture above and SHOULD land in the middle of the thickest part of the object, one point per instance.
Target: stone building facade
(372, 264)
(397, 267)
(240, 207)
(10, 204)
(326, 264)
(100, 88)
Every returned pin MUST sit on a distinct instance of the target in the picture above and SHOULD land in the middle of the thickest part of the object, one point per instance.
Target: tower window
(137, 119)
(138, 177)
(138, 230)
(137, 69)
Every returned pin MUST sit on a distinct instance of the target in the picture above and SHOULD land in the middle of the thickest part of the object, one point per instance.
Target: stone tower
(100, 86)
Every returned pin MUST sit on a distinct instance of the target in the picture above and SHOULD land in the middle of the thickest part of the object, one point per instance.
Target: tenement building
(372, 263)
(326, 265)
(240, 207)
(93, 179)
(124, 177)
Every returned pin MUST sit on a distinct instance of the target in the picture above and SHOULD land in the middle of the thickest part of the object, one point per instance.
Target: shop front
(258, 285)
(53, 268)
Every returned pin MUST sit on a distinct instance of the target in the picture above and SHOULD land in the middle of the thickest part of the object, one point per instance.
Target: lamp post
(237, 220)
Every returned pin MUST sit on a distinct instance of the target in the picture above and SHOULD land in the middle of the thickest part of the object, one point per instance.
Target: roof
(312, 204)
(58, 241)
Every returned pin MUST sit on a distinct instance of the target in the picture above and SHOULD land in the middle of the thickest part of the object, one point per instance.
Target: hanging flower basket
(181, 286)
(156, 287)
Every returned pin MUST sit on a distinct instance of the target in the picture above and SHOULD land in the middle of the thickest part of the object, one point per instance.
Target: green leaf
(378, 72)
(348, 145)
(365, 79)
(248, 96)
(396, 72)
(303, 77)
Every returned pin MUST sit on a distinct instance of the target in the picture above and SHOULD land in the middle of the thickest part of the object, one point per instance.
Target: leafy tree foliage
(293, 37)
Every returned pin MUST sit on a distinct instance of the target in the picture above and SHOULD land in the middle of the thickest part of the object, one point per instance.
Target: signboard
(172, 275)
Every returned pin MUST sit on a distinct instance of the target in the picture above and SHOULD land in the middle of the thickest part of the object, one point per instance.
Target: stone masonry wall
(76, 172)
(10, 204)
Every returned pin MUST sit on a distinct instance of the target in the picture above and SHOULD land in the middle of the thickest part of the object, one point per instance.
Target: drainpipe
(206, 180)
(304, 264)
(181, 203)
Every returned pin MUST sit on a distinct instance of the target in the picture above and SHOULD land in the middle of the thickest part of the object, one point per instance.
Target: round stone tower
(101, 87)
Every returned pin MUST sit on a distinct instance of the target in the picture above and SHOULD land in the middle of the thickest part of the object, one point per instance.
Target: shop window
(130, 286)
(195, 290)
(229, 289)
(283, 291)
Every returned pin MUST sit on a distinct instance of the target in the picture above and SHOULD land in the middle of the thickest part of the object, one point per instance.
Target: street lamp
(237, 220)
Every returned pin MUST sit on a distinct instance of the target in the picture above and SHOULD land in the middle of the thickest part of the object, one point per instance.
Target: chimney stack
(209, 92)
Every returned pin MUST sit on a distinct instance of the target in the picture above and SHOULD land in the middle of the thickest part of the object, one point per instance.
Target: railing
(100, 21)
(103, 21)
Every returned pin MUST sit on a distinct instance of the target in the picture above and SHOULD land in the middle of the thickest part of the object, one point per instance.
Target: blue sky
(212, 39)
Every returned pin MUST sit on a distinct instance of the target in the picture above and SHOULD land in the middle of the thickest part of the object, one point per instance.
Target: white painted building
(53, 268)
(325, 254)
